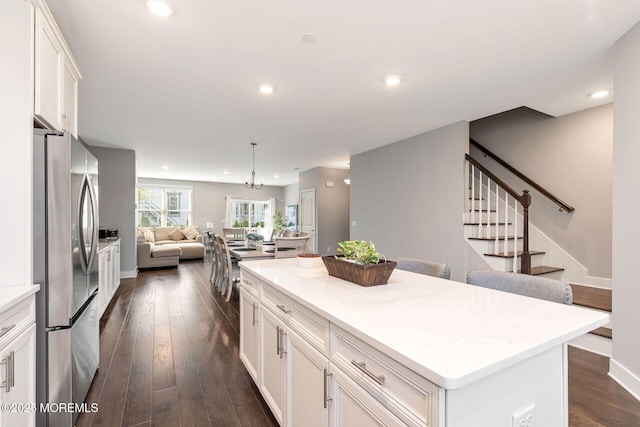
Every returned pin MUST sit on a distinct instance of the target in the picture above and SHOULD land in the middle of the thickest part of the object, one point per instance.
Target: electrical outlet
(525, 417)
(328, 249)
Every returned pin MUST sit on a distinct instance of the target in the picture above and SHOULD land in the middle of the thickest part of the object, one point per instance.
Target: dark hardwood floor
(169, 357)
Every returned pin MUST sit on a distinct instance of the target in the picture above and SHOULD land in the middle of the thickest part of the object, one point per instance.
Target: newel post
(525, 263)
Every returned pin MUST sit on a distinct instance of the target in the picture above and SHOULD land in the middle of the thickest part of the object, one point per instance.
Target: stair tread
(483, 210)
(544, 269)
(589, 296)
(510, 254)
(603, 332)
(492, 238)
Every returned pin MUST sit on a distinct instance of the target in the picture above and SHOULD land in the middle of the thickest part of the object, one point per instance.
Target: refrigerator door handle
(79, 229)
(94, 221)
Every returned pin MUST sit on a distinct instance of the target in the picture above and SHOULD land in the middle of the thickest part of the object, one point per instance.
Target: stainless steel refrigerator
(65, 230)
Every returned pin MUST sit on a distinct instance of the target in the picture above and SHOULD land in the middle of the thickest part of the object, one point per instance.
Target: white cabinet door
(249, 333)
(273, 366)
(48, 74)
(69, 119)
(104, 280)
(115, 268)
(352, 406)
(308, 395)
(18, 379)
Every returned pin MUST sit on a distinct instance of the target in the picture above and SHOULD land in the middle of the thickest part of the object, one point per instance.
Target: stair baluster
(473, 193)
(480, 229)
(515, 236)
(506, 221)
(488, 233)
(497, 218)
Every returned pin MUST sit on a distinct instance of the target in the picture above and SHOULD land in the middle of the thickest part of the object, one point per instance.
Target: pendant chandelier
(251, 183)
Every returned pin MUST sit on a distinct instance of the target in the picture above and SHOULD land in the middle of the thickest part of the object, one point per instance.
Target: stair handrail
(525, 200)
(563, 206)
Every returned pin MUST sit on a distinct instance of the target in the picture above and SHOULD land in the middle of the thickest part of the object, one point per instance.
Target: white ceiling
(183, 92)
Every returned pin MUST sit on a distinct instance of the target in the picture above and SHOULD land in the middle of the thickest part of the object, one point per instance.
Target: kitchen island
(417, 351)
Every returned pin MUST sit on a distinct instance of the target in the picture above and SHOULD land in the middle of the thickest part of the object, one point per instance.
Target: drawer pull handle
(9, 372)
(327, 399)
(363, 367)
(253, 320)
(281, 335)
(283, 308)
(5, 329)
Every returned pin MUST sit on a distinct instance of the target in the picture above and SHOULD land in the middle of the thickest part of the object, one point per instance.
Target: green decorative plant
(360, 251)
(254, 236)
(236, 224)
(245, 223)
(278, 221)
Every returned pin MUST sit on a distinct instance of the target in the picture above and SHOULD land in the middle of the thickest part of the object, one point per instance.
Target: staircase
(497, 224)
(497, 229)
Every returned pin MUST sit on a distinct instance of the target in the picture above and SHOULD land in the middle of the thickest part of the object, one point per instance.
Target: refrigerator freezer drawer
(85, 351)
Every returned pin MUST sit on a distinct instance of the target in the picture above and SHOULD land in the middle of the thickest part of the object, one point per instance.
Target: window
(255, 215)
(163, 206)
(249, 213)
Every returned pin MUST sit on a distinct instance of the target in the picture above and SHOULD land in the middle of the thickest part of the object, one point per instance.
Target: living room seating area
(166, 246)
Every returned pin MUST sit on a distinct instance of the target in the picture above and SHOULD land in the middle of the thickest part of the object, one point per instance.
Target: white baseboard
(594, 344)
(627, 379)
(129, 274)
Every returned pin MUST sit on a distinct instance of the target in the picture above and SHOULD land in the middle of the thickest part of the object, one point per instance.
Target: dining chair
(424, 266)
(217, 270)
(275, 233)
(523, 284)
(231, 271)
(291, 247)
(288, 233)
(234, 233)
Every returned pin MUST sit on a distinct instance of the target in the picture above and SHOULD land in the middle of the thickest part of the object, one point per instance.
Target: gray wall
(208, 198)
(332, 206)
(625, 364)
(117, 200)
(570, 156)
(291, 194)
(408, 197)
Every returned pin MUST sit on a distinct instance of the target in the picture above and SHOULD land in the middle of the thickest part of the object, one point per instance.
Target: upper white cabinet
(69, 121)
(56, 76)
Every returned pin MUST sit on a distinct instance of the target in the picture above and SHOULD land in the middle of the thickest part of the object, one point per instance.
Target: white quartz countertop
(10, 295)
(104, 244)
(451, 333)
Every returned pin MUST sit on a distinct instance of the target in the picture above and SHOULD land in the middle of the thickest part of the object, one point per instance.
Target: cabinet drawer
(16, 318)
(309, 325)
(249, 282)
(403, 392)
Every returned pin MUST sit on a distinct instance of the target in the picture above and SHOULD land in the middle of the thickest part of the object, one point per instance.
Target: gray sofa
(166, 246)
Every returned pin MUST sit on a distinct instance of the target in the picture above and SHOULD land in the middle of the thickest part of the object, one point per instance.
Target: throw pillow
(149, 236)
(190, 232)
(176, 234)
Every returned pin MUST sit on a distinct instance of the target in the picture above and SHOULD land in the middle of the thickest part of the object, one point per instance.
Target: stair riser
(485, 247)
(484, 217)
(506, 264)
(485, 231)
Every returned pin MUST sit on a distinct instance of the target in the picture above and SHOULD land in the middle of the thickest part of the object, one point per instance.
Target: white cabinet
(312, 373)
(109, 274)
(308, 384)
(18, 364)
(250, 339)
(273, 364)
(69, 112)
(49, 61)
(352, 406)
(56, 76)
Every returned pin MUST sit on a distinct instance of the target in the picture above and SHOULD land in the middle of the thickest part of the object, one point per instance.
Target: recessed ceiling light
(599, 94)
(308, 38)
(160, 7)
(275, 175)
(226, 172)
(165, 167)
(266, 88)
(392, 80)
